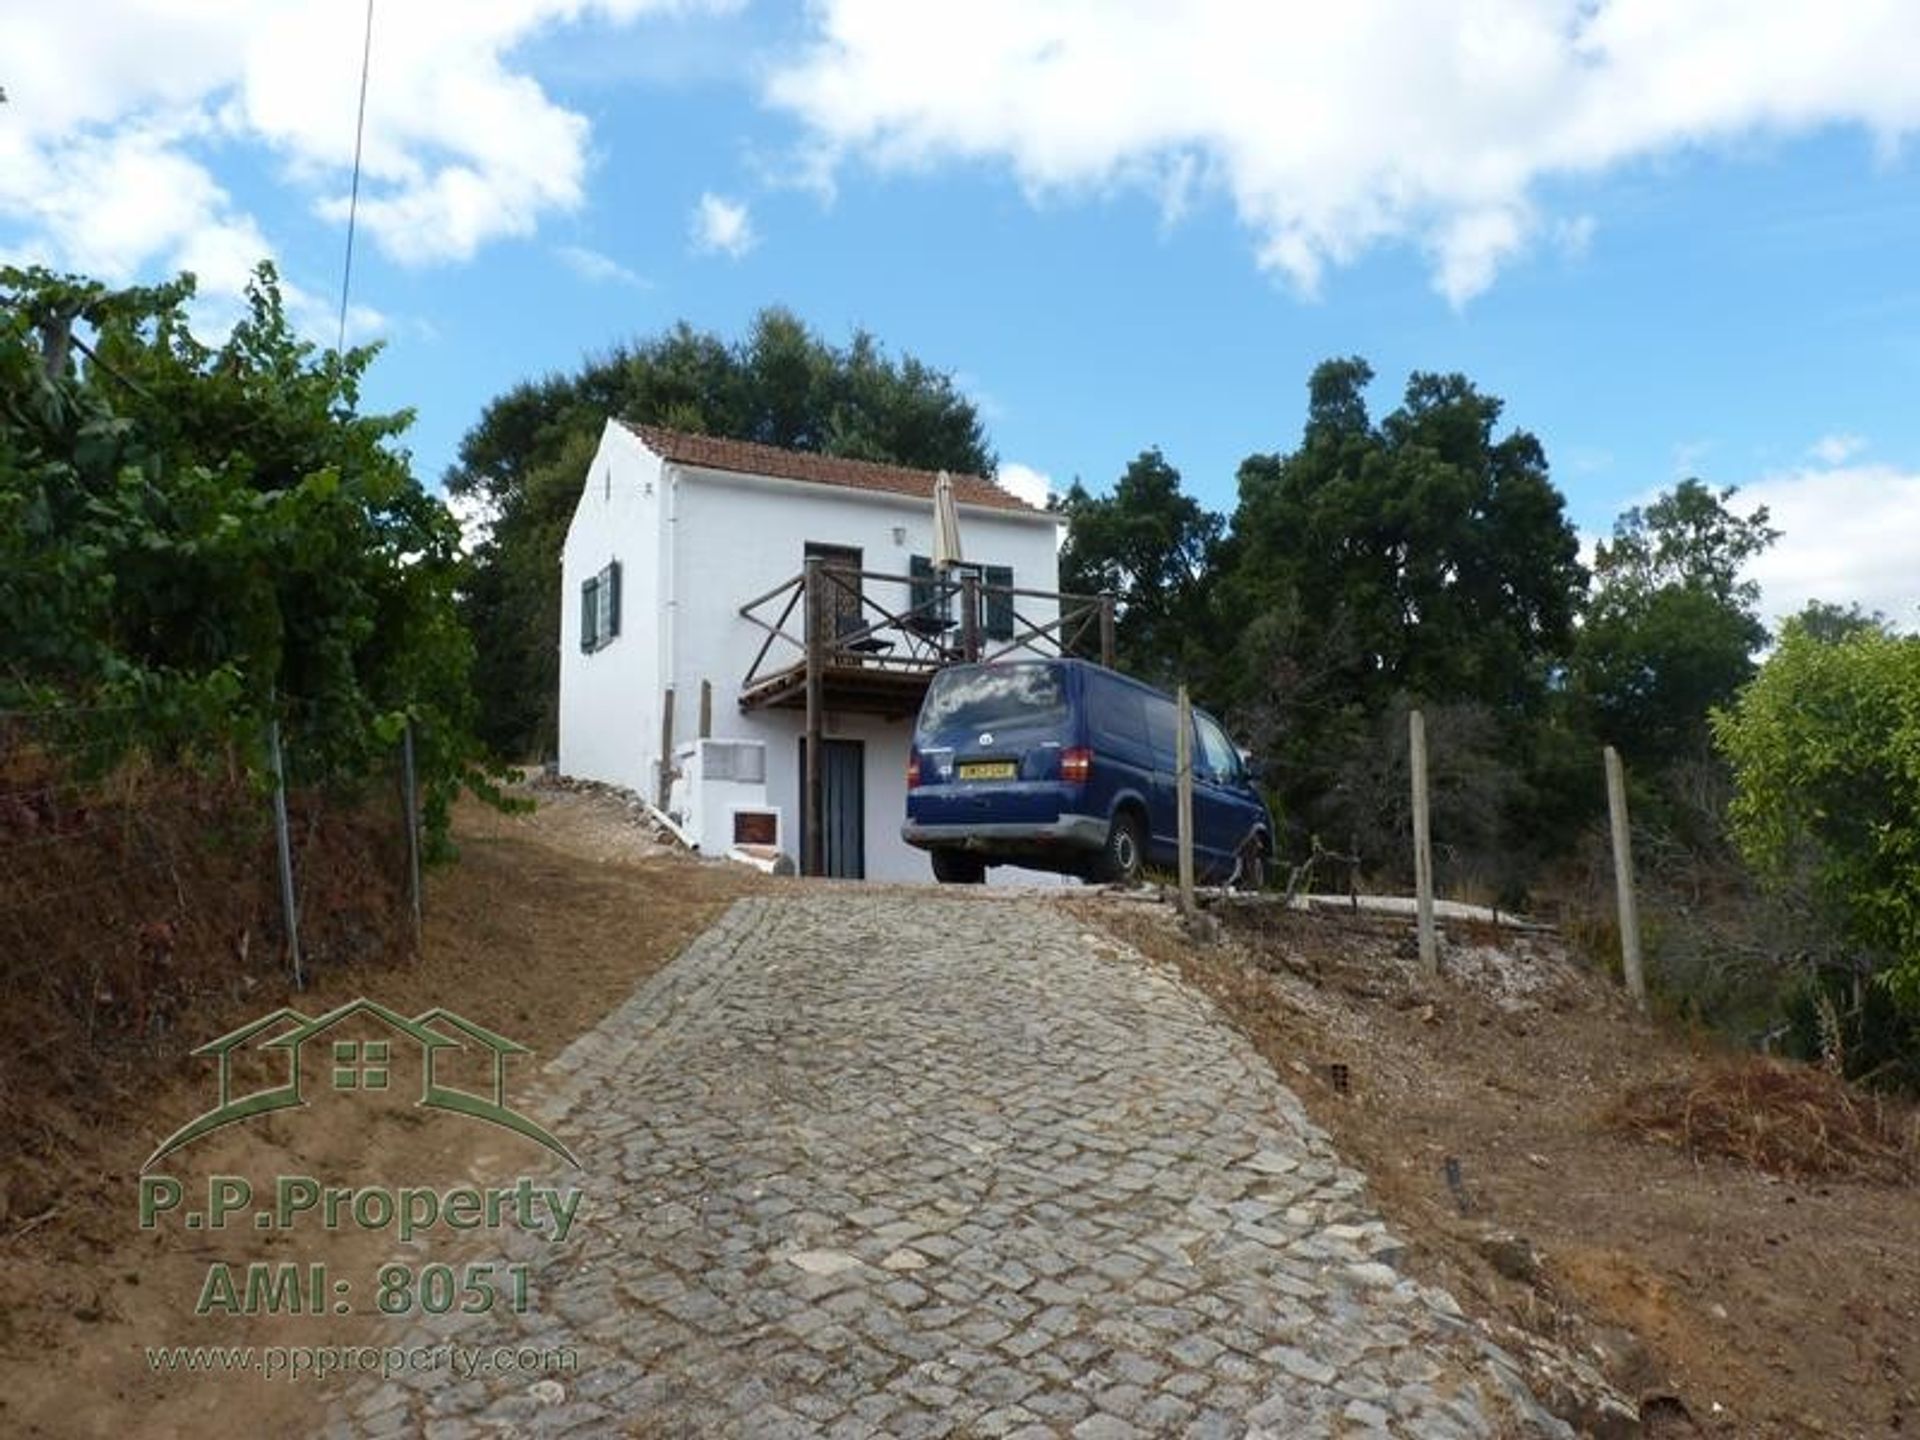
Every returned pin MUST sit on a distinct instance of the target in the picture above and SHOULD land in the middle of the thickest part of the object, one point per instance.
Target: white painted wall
(695, 545)
(741, 536)
(610, 700)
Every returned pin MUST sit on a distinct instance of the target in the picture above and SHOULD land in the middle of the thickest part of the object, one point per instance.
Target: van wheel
(950, 867)
(1125, 854)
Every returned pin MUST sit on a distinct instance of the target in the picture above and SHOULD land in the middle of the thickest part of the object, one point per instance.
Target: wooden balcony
(826, 629)
(832, 644)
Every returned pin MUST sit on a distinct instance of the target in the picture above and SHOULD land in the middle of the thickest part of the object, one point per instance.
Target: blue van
(1062, 765)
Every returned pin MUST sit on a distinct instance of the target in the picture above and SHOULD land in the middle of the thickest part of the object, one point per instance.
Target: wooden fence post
(1623, 879)
(813, 798)
(970, 615)
(1183, 774)
(1422, 847)
(289, 908)
(665, 781)
(412, 796)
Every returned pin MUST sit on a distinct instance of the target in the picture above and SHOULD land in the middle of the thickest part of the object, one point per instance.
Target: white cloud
(722, 227)
(1836, 449)
(1031, 485)
(117, 107)
(1332, 129)
(1472, 245)
(597, 269)
(1848, 534)
(106, 203)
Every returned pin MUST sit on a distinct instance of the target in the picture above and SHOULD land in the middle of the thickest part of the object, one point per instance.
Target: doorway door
(840, 605)
(843, 833)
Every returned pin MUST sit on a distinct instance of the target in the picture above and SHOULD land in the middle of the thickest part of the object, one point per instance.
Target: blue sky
(1673, 244)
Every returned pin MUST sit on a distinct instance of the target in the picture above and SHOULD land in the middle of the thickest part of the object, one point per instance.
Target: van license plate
(989, 770)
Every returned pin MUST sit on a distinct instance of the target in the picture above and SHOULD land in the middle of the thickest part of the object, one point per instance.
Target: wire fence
(1354, 836)
(133, 885)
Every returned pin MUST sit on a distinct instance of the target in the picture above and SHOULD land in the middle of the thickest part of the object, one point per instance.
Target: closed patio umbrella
(946, 525)
(947, 556)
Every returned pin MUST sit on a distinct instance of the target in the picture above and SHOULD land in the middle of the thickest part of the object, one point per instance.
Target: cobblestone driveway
(868, 1162)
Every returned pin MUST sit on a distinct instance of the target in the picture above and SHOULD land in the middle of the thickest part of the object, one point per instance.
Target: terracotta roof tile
(711, 452)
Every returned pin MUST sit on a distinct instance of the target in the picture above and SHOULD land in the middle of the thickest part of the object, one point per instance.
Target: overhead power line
(353, 198)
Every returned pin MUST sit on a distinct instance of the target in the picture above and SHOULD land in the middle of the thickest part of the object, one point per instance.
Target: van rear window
(994, 695)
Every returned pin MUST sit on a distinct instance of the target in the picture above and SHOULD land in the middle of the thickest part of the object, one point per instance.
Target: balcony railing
(829, 625)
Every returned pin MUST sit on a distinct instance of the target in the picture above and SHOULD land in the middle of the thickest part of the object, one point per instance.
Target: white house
(676, 534)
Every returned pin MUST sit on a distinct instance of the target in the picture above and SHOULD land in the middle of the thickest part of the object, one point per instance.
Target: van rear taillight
(913, 770)
(1076, 764)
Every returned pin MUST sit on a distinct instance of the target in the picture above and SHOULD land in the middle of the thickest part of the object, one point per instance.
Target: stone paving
(882, 1163)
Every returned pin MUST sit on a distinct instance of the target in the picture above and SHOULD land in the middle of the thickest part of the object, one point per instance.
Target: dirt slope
(546, 923)
(1753, 1305)
(1758, 1306)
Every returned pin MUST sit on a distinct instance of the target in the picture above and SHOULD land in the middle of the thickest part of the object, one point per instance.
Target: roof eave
(923, 504)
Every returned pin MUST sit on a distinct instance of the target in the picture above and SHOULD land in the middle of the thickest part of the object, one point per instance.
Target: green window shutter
(921, 595)
(589, 615)
(999, 602)
(613, 600)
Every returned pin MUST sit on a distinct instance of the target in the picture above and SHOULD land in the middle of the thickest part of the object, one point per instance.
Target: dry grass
(1788, 1120)
(139, 914)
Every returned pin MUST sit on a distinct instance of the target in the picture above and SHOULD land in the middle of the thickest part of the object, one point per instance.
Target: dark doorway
(840, 601)
(843, 832)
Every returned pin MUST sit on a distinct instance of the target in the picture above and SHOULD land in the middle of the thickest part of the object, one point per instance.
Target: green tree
(1825, 750)
(214, 534)
(525, 460)
(1151, 547)
(1827, 622)
(1426, 559)
(1439, 552)
(1671, 628)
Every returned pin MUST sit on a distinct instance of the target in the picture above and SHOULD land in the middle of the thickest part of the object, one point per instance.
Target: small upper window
(600, 609)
